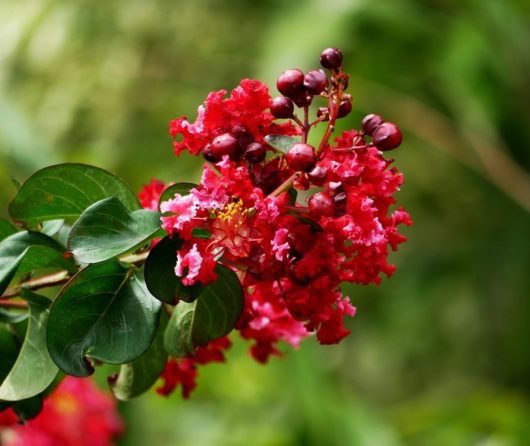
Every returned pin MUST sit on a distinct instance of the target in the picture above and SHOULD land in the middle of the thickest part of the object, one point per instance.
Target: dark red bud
(255, 152)
(315, 81)
(301, 157)
(318, 174)
(321, 204)
(282, 107)
(208, 154)
(290, 82)
(243, 136)
(225, 144)
(331, 58)
(387, 136)
(344, 108)
(370, 123)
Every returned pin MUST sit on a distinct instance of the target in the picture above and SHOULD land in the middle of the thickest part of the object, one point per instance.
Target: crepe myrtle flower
(291, 256)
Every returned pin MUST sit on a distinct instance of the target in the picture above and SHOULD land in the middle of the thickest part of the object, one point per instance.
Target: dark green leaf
(107, 229)
(25, 251)
(9, 350)
(28, 409)
(201, 233)
(177, 188)
(33, 370)
(160, 276)
(213, 315)
(65, 191)
(293, 194)
(138, 376)
(281, 142)
(6, 229)
(105, 312)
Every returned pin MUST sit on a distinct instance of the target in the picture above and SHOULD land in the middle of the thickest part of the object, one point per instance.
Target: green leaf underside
(138, 376)
(177, 188)
(160, 276)
(13, 316)
(107, 228)
(213, 315)
(6, 229)
(105, 313)
(281, 142)
(24, 252)
(65, 191)
(33, 370)
(52, 227)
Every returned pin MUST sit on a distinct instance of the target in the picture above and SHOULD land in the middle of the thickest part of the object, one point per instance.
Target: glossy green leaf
(33, 370)
(6, 229)
(138, 376)
(160, 276)
(25, 251)
(213, 315)
(65, 191)
(107, 229)
(281, 142)
(177, 188)
(105, 312)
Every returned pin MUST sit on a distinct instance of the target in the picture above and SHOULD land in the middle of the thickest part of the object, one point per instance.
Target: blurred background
(440, 354)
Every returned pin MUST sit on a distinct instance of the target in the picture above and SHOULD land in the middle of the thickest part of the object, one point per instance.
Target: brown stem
(8, 303)
(286, 185)
(61, 277)
(333, 113)
(305, 126)
(40, 282)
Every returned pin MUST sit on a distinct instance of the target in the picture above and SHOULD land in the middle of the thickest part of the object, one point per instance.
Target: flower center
(230, 230)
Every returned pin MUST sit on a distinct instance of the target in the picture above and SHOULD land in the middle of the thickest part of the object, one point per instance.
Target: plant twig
(40, 282)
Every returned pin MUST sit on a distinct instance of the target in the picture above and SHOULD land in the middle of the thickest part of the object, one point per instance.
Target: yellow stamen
(233, 211)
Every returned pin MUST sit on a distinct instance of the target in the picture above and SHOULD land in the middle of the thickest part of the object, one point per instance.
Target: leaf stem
(8, 303)
(40, 282)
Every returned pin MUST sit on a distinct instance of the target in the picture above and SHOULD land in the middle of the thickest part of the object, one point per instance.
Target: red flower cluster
(291, 255)
(77, 413)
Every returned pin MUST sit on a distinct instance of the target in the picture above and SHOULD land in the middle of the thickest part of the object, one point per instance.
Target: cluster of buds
(291, 254)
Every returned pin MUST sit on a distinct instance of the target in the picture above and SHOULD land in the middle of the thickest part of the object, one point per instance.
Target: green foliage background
(440, 354)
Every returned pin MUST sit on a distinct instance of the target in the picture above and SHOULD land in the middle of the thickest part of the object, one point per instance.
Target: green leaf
(25, 251)
(52, 227)
(213, 315)
(160, 276)
(177, 188)
(29, 408)
(65, 191)
(281, 142)
(33, 370)
(138, 376)
(107, 229)
(9, 350)
(6, 229)
(13, 316)
(105, 312)
(201, 233)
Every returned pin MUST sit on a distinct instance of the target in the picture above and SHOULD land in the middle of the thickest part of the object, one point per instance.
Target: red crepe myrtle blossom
(77, 413)
(291, 257)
